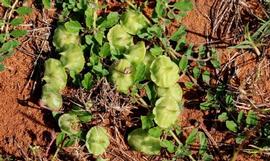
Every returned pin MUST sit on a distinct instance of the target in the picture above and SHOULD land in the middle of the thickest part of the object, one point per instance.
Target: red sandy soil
(21, 125)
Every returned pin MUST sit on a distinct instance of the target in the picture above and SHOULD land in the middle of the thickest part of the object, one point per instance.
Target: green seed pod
(69, 124)
(136, 53)
(51, 98)
(174, 92)
(97, 140)
(63, 38)
(133, 22)
(119, 39)
(164, 72)
(166, 112)
(122, 76)
(55, 74)
(141, 141)
(73, 58)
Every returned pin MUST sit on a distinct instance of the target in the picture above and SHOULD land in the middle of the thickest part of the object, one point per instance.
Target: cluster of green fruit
(67, 42)
(161, 70)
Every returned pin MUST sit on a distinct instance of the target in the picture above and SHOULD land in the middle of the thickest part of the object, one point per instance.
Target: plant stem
(95, 16)
(180, 143)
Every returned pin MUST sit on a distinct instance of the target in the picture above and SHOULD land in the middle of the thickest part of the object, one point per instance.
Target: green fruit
(97, 140)
(136, 53)
(164, 72)
(122, 76)
(63, 38)
(174, 92)
(73, 58)
(51, 98)
(119, 39)
(133, 21)
(69, 124)
(55, 74)
(141, 141)
(166, 112)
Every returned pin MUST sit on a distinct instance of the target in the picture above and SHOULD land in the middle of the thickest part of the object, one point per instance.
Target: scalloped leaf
(174, 92)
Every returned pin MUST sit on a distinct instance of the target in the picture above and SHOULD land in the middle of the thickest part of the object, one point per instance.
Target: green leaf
(239, 139)
(60, 138)
(203, 142)
(6, 3)
(99, 37)
(111, 20)
(160, 8)
(183, 64)
(2, 67)
(252, 118)
(178, 34)
(97, 140)
(155, 132)
(24, 10)
(196, 72)
(139, 73)
(73, 26)
(147, 122)
(18, 33)
(192, 137)
(189, 85)
(89, 16)
(206, 77)
(156, 51)
(2, 38)
(17, 21)
(207, 157)
(169, 145)
(69, 141)
(105, 50)
(231, 125)
(240, 117)
(223, 117)
(184, 5)
(87, 81)
(9, 46)
(46, 4)
(84, 116)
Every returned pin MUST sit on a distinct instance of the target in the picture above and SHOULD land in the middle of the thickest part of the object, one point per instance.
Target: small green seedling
(97, 140)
